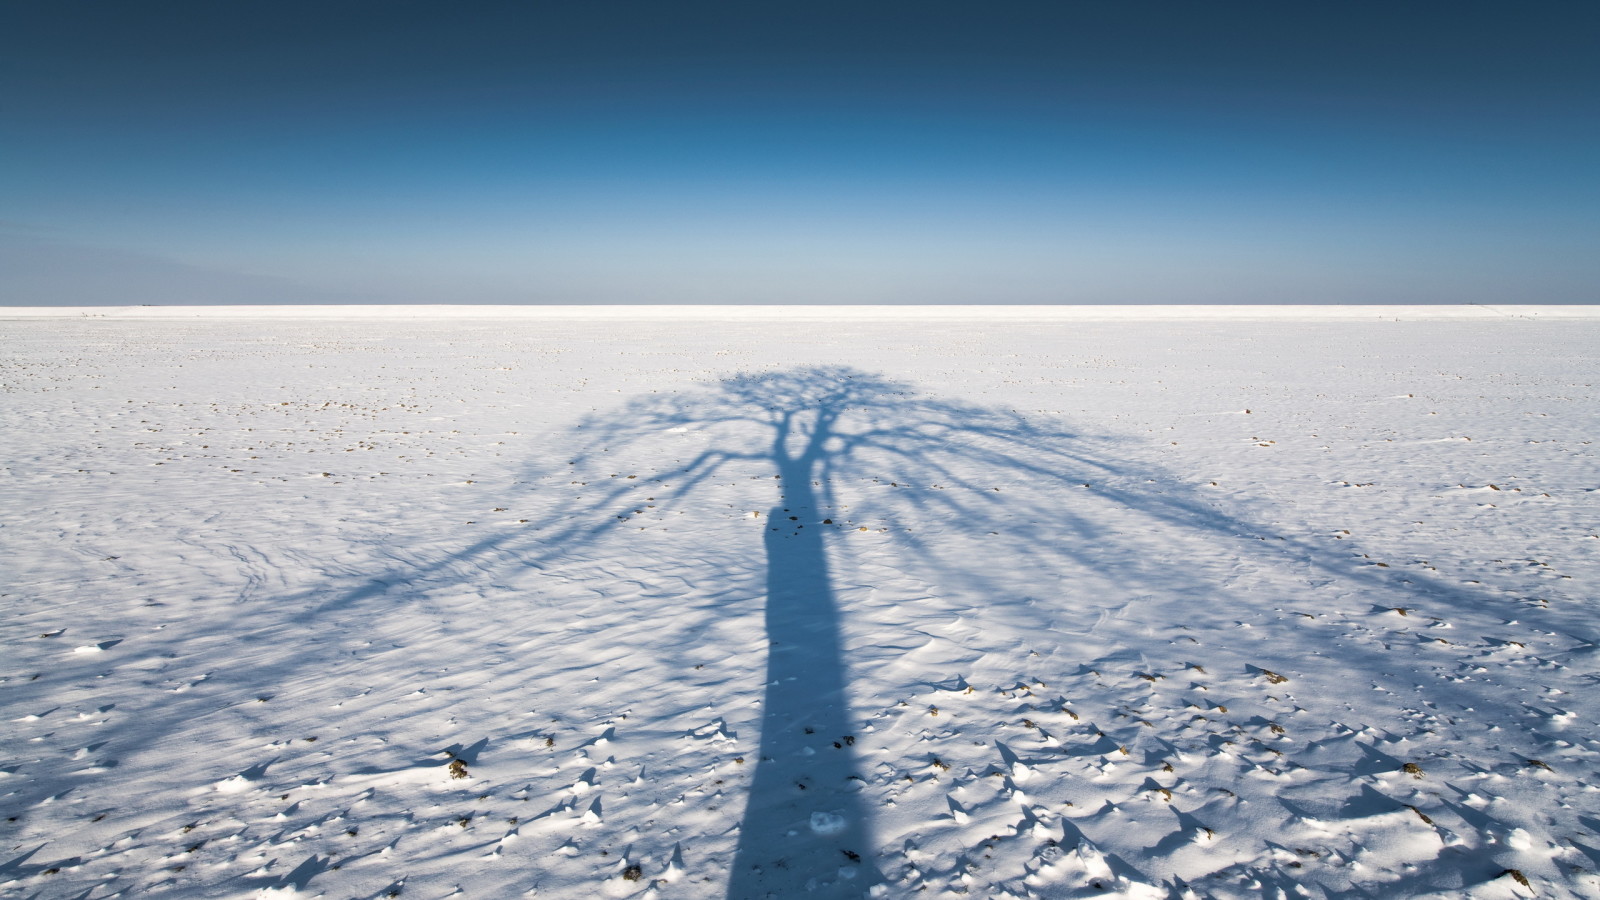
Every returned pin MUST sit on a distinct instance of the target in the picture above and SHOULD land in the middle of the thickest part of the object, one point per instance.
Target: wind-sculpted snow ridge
(511, 609)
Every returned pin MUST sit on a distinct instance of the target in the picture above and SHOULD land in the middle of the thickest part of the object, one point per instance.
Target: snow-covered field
(712, 603)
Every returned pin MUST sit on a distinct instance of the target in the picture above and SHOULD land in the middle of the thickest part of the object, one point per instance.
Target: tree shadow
(940, 474)
(985, 501)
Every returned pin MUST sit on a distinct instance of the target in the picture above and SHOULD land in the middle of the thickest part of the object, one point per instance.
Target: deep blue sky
(800, 152)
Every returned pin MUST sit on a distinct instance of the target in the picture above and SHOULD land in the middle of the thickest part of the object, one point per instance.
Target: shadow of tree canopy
(946, 478)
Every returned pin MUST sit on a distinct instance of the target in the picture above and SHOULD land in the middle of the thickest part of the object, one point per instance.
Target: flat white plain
(1258, 604)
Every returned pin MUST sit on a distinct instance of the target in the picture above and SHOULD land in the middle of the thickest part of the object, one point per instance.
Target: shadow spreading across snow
(811, 429)
(827, 446)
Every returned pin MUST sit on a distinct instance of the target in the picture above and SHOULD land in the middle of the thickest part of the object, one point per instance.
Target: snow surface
(1062, 605)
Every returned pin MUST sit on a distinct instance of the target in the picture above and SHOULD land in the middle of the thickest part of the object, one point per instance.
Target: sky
(171, 151)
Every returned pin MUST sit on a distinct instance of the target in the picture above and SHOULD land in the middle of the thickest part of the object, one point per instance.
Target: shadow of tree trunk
(805, 827)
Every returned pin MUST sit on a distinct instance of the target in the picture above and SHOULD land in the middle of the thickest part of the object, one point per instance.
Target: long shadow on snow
(806, 829)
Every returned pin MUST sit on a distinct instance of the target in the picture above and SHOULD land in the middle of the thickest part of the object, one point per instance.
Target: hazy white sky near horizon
(715, 153)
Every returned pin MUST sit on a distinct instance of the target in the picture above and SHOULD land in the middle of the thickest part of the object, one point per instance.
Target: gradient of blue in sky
(193, 152)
